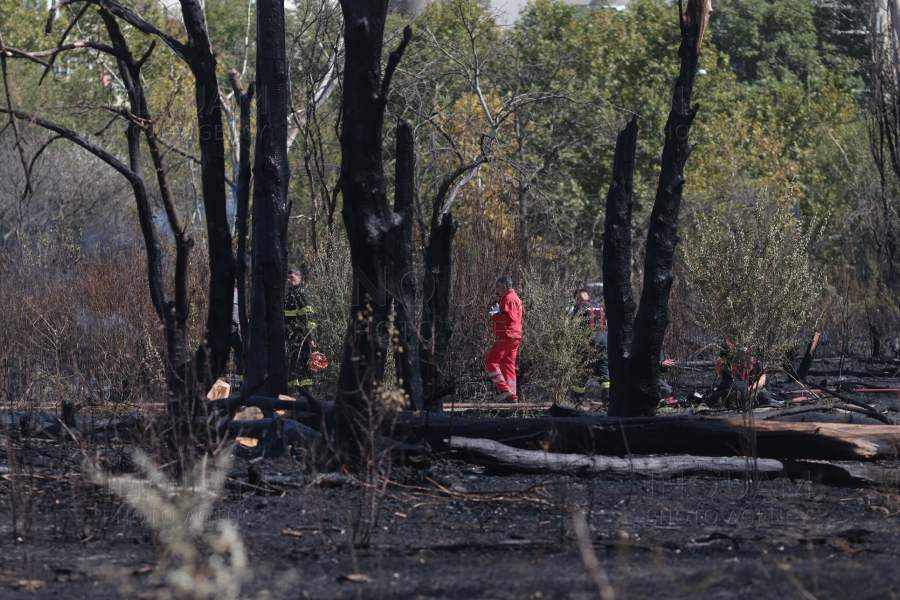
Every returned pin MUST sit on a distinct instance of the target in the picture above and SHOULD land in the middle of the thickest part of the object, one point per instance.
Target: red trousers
(501, 364)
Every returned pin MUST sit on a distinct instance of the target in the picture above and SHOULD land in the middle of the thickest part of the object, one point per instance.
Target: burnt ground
(456, 531)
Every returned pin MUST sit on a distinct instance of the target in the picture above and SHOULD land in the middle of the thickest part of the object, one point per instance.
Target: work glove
(495, 310)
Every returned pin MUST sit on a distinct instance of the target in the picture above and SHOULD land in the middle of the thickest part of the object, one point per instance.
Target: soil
(456, 531)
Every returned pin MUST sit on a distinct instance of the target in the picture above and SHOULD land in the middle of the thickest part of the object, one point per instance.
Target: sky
(509, 10)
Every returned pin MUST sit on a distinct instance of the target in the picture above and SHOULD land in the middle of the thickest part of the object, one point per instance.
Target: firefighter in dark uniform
(598, 362)
(299, 323)
(592, 312)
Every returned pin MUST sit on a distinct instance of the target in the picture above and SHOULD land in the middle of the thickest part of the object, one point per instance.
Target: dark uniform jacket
(592, 312)
(299, 317)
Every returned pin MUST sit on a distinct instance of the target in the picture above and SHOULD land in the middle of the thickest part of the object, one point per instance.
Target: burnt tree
(270, 214)
(189, 377)
(212, 355)
(173, 313)
(436, 328)
(635, 391)
(243, 201)
(407, 358)
(371, 224)
(618, 293)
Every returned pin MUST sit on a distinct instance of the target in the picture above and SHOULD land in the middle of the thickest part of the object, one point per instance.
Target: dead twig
(604, 588)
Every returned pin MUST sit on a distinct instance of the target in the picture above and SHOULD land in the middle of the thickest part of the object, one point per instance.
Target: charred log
(500, 457)
(701, 436)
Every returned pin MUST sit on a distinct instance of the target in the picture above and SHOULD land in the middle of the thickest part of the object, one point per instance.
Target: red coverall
(501, 360)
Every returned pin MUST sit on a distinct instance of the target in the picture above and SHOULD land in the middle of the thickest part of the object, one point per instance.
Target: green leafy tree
(768, 38)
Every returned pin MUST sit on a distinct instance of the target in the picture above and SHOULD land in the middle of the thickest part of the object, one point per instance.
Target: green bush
(329, 288)
(555, 348)
(753, 281)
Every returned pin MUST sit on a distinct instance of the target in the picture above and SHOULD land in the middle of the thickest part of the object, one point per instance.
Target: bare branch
(132, 19)
(73, 137)
(62, 40)
(16, 53)
(12, 118)
(441, 207)
(393, 61)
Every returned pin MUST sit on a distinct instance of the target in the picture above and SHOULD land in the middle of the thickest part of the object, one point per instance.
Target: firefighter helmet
(317, 361)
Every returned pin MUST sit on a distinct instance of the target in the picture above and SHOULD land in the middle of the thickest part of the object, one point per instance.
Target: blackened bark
(175, 312)
(370, 222)
(699, 436)
(642, 364)
(243, 204)
(618, 294)
(187, 380)
(436, 328)
(407, 360)
(212, 355)
(270, 218)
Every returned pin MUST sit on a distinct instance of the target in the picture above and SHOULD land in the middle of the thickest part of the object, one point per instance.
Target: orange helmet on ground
(317, 362)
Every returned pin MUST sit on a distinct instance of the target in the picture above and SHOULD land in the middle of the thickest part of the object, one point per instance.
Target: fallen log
(688, 434)
(843, 473)
(275, 433)
(501, 457)
(820, 417)
(261, 402)
(864, 408)
(813, 413)
(796, 410)
(317, 414)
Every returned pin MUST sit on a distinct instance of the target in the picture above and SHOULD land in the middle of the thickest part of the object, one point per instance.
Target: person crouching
(506, 314)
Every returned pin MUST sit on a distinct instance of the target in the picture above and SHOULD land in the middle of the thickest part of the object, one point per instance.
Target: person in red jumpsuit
(500, 363)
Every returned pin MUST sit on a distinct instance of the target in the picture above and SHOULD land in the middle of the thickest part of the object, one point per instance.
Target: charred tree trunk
(641, 365)
(188, 379)
(211, 356)
(174, 314)
(407, 358)
(243, 204)
(617, 291)
(270, 218)
(370, 222)
(436, 328)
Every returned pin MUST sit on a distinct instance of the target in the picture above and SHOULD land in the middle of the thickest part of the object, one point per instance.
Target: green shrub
(753, 281)
(555, 348)
(329, 287)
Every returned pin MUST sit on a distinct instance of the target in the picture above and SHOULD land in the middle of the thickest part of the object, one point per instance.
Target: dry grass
(78, 325)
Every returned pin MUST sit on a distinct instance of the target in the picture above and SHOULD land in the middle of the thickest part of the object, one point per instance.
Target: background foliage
(533, 109)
